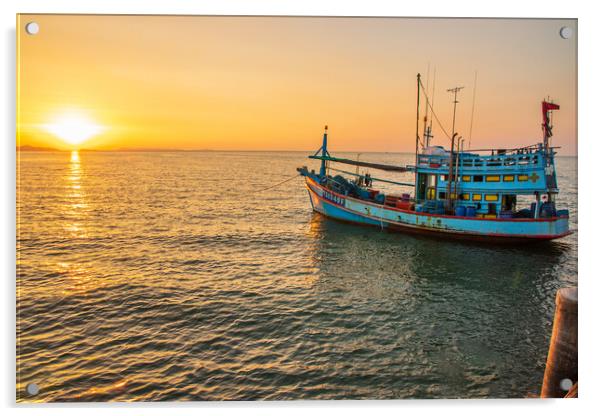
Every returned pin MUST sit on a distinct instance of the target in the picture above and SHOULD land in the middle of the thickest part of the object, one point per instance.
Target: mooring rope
(278, 184)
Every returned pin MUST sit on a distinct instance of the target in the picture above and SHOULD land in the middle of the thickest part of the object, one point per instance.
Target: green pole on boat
(324, 152)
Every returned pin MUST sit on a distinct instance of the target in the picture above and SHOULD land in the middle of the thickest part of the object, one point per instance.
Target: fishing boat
(468, 194)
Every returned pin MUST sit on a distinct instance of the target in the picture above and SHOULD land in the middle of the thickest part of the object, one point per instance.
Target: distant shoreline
(34, 149)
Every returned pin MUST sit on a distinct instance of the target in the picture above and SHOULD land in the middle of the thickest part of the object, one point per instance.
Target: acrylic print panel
(175, 242)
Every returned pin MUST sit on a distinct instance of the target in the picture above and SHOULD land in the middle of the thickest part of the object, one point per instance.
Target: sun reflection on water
(75, 198)
(80, 278)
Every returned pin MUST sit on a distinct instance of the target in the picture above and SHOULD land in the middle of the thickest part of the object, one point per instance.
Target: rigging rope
(428, 102)
(474, 94)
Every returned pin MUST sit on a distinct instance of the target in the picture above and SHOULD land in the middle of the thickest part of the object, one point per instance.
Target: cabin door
(421, 191)
(508, 202)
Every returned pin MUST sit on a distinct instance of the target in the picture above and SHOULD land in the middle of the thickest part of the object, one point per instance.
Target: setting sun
(73, 128)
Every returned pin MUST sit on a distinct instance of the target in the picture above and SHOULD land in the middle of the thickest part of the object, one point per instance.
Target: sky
(272, 83)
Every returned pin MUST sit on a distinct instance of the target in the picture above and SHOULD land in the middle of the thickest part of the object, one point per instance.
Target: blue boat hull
(359, 211)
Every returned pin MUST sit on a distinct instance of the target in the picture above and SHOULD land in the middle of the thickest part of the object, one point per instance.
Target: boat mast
(451, 151)
(546, 108)
(426, 134)
(417, 124)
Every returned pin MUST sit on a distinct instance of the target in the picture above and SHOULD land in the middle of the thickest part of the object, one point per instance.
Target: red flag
(545, 106)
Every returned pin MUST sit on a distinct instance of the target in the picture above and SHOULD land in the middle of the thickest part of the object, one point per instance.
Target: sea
(194, 276)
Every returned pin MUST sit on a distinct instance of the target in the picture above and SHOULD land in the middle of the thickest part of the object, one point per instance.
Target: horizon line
(33, 149)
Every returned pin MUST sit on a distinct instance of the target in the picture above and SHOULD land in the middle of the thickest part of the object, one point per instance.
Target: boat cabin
(487, 183)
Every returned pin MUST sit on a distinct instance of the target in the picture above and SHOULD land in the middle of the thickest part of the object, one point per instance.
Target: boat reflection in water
(436, 316)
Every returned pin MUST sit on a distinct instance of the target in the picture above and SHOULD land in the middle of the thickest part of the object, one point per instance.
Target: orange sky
(261, 83)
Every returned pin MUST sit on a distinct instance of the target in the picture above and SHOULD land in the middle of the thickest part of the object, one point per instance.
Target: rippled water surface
(171, 276)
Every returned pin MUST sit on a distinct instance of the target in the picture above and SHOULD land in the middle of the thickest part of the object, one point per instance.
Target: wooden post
(561, 366)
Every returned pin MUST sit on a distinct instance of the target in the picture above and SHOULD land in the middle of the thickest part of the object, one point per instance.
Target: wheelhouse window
(523, 178)
(466, 178)
(492, 197)
(508, 178)
(443, 178)
(493, 178)
(432, 180)
(476, 197)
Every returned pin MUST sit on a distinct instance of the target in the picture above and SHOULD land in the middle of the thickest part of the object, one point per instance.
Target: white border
(589, 202)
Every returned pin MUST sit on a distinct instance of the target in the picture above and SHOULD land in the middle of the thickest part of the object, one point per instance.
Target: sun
(73, 127)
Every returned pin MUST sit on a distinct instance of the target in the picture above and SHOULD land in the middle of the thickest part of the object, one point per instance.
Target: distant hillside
(28, 148)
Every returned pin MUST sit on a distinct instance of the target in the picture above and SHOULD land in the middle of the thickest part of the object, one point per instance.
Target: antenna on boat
(455, 91)
(474, 94)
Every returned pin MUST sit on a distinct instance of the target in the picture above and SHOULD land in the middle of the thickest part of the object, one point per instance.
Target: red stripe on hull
(429, 233)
